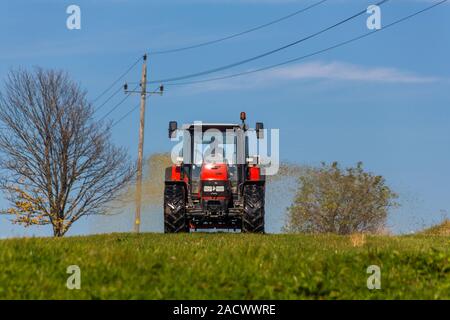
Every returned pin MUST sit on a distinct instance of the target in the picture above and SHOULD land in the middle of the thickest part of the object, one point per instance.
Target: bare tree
(342, 201)
(57, 164)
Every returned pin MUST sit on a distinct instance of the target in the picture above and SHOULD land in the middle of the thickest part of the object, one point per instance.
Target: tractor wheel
(174, 209)
(253, 218)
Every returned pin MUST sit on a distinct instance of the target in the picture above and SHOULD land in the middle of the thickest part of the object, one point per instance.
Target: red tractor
(214, 184)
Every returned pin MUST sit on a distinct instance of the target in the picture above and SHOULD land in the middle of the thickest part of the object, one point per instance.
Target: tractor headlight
(214, 189)
(220, 188)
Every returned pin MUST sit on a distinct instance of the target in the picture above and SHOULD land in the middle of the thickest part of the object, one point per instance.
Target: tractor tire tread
(253, 217)
(174, 209)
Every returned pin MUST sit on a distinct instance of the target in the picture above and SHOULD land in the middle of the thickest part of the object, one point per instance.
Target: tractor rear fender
(253, 177)
(174, 175)
(261, 182)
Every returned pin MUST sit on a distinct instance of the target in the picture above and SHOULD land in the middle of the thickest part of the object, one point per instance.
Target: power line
(107, 100)
(296, 59)
(200, 45)
(128, 113)
(125, 115)
(207, 43)
(117, 80)
(118, 104)
(197, 46)
(194, 75)
(313, 53)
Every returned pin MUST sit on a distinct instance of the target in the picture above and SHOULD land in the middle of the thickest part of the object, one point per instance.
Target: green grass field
(225, 266)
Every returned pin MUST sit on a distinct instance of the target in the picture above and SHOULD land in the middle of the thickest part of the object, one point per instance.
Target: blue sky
(383, 100)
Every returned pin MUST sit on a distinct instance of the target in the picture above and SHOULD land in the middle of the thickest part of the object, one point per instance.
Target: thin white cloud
(347, 71)
(317, 70)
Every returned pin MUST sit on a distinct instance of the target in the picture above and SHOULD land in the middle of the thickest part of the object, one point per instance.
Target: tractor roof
(206, 126)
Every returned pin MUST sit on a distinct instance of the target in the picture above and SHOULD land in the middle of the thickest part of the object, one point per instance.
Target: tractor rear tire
(175, 209)
(253, 217)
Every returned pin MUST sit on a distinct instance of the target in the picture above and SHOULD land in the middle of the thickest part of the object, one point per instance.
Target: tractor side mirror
(173, 126)
(259, 130)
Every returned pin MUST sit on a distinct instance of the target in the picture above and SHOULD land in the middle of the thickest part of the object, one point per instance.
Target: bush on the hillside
(342, 201)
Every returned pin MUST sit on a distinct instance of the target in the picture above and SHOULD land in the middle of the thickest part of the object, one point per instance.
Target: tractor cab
(211, 180)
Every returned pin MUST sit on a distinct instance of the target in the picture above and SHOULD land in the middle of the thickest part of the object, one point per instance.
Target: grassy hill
(225, 266)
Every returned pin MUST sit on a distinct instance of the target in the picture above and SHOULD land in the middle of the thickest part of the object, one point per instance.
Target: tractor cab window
(214, 146)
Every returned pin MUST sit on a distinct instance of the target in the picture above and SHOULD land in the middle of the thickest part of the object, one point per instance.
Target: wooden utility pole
(137, 220)
(143, 92)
